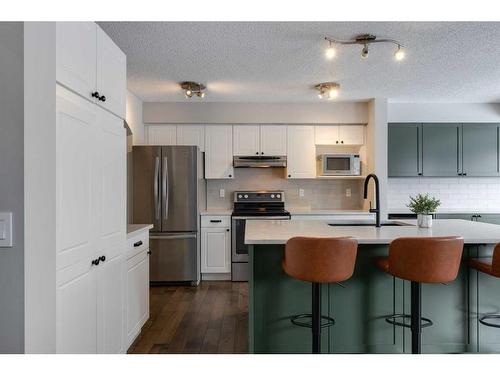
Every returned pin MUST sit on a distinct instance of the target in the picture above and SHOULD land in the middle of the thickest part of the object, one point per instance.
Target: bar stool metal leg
(416, 316)
(316, 317)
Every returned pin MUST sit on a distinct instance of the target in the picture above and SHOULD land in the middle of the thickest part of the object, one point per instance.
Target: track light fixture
(365, 40)
(193, 88)
(328, 90)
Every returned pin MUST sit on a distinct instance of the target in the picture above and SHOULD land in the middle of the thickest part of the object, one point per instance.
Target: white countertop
(220, 212)
(448, 211)
(280, 231)
(133, 229)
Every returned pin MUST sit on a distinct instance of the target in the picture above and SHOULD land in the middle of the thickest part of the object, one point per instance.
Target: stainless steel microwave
(340, 165)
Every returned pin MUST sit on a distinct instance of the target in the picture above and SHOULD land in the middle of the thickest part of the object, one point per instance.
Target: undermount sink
(391, 224)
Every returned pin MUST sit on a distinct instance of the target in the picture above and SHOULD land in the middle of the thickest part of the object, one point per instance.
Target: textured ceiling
(280, 61)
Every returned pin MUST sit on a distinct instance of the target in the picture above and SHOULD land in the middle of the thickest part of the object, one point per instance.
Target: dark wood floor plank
(210, 318)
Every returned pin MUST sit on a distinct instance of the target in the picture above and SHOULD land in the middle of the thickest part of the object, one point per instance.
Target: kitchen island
(360, 305)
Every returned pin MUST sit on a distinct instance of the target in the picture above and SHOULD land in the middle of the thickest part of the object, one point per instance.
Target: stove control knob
(272, 196)
(278, 196)
(246, 196)
(240, 196)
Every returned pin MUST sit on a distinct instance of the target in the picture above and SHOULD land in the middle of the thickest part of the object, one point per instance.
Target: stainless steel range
(252, 205)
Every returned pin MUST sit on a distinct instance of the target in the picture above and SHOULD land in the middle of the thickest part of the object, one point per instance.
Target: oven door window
(338, 164)
(239, 228)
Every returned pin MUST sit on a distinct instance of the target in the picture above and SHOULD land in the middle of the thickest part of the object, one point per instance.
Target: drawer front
(215, 221)
(138, 243)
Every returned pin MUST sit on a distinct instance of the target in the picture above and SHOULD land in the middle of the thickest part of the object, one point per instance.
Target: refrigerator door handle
(173, 237)
(165, 186)
(156, 179)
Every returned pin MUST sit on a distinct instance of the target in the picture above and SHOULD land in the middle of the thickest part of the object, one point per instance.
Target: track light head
(364, 52)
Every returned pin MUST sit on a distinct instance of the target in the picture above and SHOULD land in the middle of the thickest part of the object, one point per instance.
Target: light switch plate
(5, 229)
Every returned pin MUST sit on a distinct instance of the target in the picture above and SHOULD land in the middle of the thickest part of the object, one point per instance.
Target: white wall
(40, 187)
(444, 112)
(257, 113)
(133, 116)
(11, 186)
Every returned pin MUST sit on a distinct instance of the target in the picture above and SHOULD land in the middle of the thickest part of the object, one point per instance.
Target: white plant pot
(424, 221)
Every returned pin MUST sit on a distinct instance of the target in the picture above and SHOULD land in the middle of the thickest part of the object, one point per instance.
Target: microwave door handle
(156, 180)
(165, 186)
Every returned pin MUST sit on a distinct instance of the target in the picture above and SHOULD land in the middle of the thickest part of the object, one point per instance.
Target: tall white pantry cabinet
(90, 191)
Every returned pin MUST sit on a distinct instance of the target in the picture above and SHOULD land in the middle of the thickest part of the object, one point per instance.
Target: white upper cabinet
(90, 64)
(301, 162)
(246, 140)
(76, 56)
(219, 151)
(273, 140)
(259, 140)
(111, 74)
(350, 135)
(161, 135)
(191, 135)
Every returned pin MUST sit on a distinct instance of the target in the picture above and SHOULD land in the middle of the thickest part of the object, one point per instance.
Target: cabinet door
(326, 135)
(137, 295)
(111, 74)
(191, 135)
(246, 140)
(76, 170)
(110, 306)
(76, 56)
(219, 151)
(352, 135)
(440, 150)
(404, 150)
(76, 309)
(301, 161)
(480, 149)
(161, 135)
(273, 140)
(215, 250)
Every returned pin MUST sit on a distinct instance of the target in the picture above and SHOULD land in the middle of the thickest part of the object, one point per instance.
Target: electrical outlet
(301, 193)
(348, 192)
(222, 193)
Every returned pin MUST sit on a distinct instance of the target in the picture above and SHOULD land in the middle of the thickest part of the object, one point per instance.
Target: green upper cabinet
(404, 154)
(443, 149)
(480, 149)
(440, 150)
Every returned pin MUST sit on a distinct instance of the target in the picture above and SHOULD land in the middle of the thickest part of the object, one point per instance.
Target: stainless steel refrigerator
(169, 192)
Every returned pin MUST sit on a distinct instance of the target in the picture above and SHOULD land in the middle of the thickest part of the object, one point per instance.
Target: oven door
(239, 251)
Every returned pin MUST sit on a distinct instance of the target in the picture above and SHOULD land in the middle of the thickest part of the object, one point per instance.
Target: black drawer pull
(102, 258)
(149, 252)
(95, 262)
(216, 221)
(138, 243)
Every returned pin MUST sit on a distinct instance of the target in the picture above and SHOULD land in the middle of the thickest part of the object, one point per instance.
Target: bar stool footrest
(484, 320)
(392, 320)
(305, 320)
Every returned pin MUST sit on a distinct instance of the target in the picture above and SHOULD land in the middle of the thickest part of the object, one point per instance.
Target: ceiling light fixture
(330, 51)
(365, 40)
(328, 90)
(193, 88)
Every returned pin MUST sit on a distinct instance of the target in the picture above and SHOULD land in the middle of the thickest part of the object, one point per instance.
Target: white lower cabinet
(137, 286)
(215, 245)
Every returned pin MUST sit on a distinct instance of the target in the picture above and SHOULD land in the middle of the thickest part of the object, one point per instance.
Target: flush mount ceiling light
(328, 90)
(193, 88)
(365, 40)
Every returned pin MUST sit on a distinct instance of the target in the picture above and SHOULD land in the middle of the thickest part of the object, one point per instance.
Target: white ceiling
(281, 61)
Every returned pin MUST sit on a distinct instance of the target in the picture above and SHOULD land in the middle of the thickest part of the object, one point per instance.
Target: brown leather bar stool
(491, 267)
(421, 260)
(319, 261)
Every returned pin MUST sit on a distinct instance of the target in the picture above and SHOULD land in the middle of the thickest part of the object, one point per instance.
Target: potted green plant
(424, 206)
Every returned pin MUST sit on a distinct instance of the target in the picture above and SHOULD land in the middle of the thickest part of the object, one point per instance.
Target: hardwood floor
(212, 318)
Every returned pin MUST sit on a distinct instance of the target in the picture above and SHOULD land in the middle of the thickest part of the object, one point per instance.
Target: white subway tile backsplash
(455, 193)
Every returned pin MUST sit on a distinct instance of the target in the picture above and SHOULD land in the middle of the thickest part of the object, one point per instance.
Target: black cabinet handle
(460, 174)
(216, 221)
(420, 174)
(262, 153)
(289, 175)
(336, 141)
(464, 174)
(341, 141)
(102, 258)
(102, 98)
(230, 175)
(227, 230)
(256, 153)
(95, 94)
(95, 262)
(138, 243)
(149, 252)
